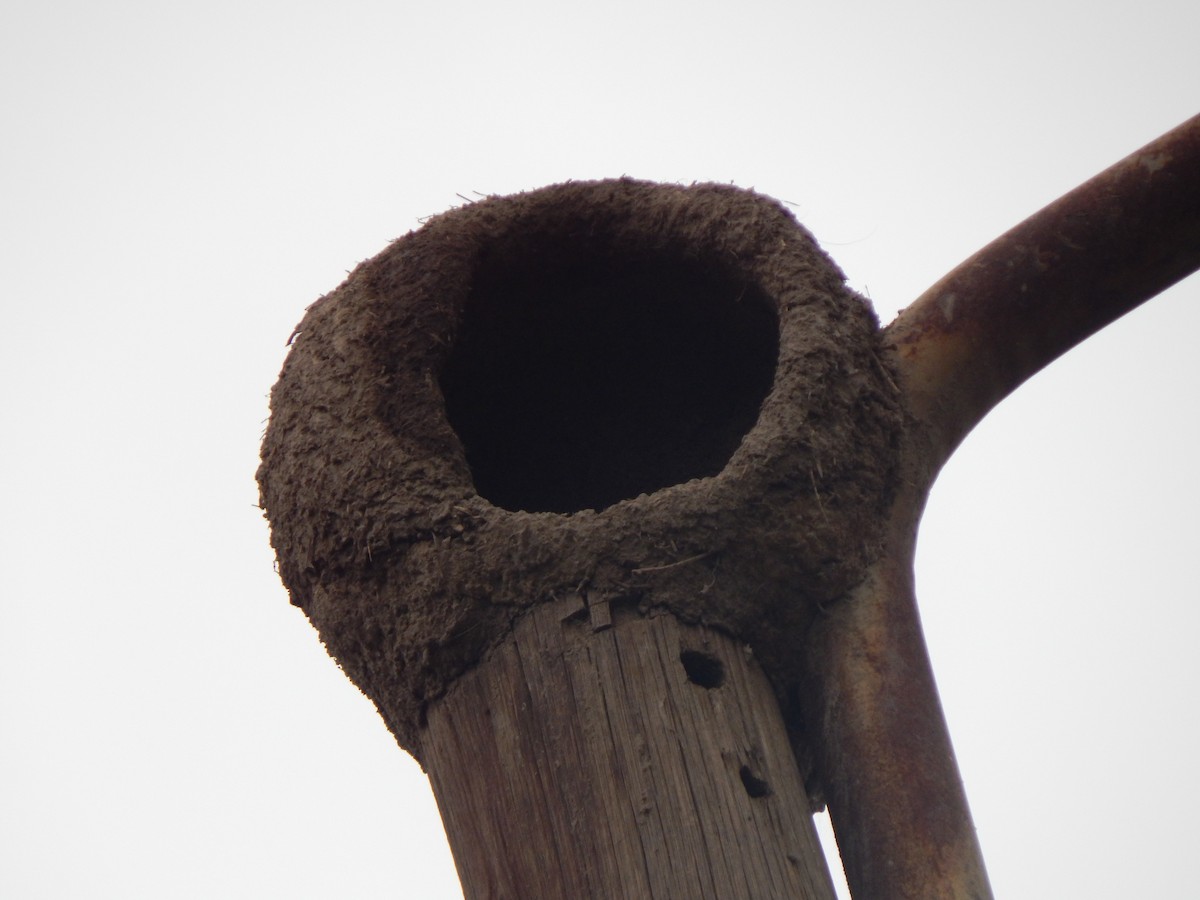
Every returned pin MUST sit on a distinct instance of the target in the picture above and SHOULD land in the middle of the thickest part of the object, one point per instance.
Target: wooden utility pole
(607, 496)
(630, 756)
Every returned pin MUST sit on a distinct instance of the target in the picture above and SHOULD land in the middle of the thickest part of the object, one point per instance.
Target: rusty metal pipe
(1038, 290)
(895, 794)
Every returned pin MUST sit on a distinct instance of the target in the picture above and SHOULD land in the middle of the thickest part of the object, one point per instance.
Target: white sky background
(178, 181)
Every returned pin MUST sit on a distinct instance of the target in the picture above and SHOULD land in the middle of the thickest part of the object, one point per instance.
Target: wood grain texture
(581, 759)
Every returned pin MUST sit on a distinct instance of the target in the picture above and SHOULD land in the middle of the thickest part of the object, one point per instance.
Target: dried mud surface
(460, 431)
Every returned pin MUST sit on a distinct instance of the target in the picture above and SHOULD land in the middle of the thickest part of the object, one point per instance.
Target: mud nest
(661, 395)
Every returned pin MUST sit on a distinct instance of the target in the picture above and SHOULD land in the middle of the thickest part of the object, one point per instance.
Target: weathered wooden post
(607, 496)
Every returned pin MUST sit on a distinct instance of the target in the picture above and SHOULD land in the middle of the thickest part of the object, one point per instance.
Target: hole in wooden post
(754, 785)
(703, 669)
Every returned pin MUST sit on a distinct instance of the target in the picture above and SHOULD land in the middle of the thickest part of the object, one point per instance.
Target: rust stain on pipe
(1049, 283)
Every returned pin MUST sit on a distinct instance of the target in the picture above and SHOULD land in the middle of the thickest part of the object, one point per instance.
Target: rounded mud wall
(651, 394)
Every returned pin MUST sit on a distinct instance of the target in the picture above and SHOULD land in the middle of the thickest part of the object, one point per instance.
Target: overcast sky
(179, 180)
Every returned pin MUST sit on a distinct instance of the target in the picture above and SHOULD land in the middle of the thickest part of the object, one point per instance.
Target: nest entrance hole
(579, 380)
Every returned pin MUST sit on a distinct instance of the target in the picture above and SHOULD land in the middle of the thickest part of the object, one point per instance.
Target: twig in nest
(886, 374)
(817, 494)
(682, 562)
